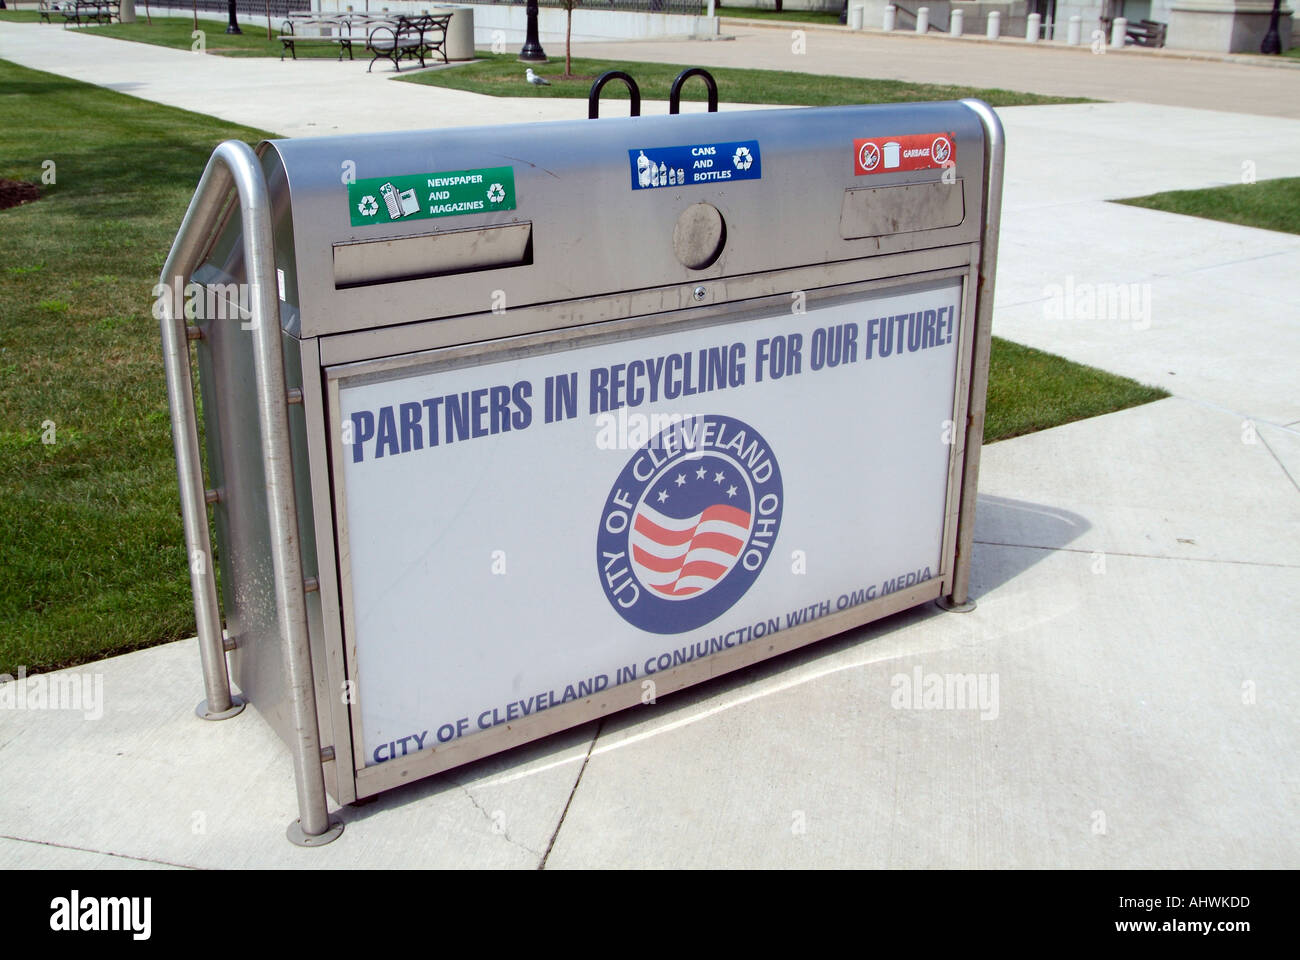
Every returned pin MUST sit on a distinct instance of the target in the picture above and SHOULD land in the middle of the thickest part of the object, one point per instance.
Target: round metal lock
(699, 236)
(699, 293)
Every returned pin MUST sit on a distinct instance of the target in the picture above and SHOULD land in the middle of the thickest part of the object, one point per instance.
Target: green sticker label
(418, 196)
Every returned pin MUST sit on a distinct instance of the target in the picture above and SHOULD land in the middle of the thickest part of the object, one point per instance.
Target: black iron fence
(693, 7)
(279, 8)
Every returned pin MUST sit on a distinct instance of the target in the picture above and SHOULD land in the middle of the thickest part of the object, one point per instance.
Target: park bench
(409, 38)
(1146, 33)
(317, 30)
(82, 12)
(385, 37)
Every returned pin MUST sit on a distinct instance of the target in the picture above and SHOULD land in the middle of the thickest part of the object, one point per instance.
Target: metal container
(512, 427)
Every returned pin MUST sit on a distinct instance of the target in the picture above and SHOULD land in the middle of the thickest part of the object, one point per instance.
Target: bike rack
(675, 96)
(593, 98)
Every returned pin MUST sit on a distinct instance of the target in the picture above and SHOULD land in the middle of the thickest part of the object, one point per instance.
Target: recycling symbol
(496, 193)
(743, 160)
(368, 206)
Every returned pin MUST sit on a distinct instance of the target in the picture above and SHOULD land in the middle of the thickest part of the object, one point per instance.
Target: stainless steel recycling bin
(512, 427)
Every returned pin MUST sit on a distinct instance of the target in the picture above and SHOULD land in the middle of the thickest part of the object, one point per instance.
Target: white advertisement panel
(525, 532)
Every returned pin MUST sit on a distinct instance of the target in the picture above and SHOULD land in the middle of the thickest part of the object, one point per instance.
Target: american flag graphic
(690, 527)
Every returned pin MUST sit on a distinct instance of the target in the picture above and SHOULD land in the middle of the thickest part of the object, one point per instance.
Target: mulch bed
(14, 192)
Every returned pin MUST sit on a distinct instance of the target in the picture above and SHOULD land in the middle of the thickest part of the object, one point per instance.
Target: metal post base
(237, 705)
(945, 603)
(300, 839)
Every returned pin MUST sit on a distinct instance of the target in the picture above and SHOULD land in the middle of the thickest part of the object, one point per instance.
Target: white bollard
(891, 13)
(994, 26)
(1118, 28)
(1032, 26)
(955, 22)
(855, 17)
(922, 19)
(1074, 32)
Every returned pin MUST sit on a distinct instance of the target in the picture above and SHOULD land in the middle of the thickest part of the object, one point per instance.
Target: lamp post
(233, 25)
(1272, 41)
(532, 51)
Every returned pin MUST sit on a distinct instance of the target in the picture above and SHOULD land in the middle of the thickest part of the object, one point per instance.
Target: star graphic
(663, 495)
(717, 477)
(680, 479)
(699, 474)
(731, 491)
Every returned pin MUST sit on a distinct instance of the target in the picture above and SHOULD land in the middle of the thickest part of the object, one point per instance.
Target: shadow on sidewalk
(1000, 521)
(1003, 522)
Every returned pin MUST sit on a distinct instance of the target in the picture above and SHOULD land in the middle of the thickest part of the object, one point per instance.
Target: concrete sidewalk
(1138, 579)
(1039, 68)
(1140, 631)
(291, 98)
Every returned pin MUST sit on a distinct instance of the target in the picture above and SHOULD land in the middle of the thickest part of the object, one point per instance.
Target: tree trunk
(568, 47)
(196, 14)
(268, 20)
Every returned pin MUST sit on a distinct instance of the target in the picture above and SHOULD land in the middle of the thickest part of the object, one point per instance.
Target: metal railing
(933, 26)
(234, 168)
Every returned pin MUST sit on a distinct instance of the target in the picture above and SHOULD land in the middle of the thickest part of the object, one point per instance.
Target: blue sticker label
(695, 163)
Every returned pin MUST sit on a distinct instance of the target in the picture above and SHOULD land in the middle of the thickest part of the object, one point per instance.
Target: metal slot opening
(366, 262)
(902, 208)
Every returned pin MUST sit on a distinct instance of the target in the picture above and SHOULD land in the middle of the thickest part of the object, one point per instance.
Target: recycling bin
(508, 428)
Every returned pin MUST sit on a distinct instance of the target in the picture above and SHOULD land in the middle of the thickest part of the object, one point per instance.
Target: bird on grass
(535, 80)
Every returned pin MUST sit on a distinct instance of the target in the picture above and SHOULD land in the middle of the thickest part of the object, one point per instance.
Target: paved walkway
(1008, 65)
(292, 98)
(1138, 578)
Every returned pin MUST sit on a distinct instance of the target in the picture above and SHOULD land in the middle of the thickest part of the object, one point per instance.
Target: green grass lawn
(1270, 204)
(1030, 390)
(177, 32)
(502, 75)
(92, 554)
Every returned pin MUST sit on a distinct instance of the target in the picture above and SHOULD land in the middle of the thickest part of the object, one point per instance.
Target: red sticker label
(917, 151)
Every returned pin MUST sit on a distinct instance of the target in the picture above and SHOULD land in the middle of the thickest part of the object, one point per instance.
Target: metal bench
(1146, 33)
(386, 38)
(410, 38)
(315, 30)
(82, 12)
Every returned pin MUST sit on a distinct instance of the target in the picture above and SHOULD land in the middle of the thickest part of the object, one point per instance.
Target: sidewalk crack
(492, 820)
(1138, 556)
(102, 853)
(577, 780)
(1267, 446)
